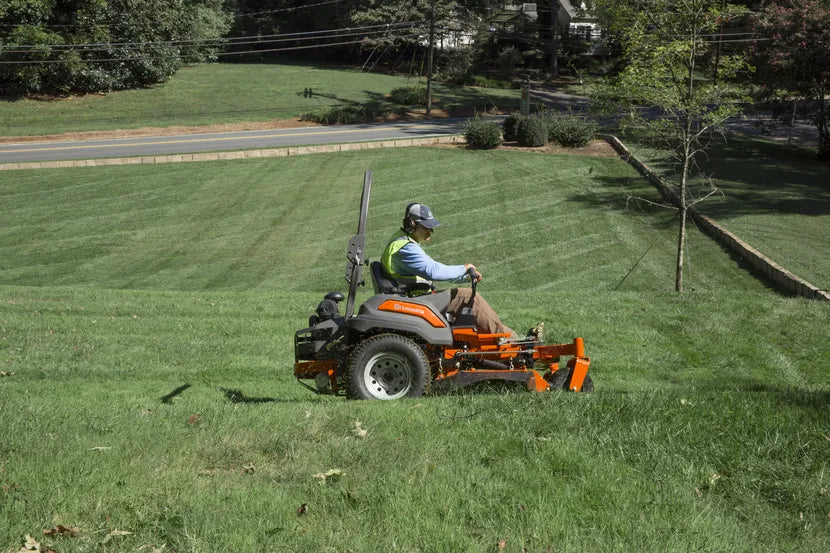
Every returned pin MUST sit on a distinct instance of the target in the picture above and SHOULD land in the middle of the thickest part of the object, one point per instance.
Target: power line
(279, 10)
(384, 27)
(236, 16)
(146, 58)
(208, 43)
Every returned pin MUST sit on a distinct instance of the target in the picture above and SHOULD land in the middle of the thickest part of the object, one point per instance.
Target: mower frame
(399, 345)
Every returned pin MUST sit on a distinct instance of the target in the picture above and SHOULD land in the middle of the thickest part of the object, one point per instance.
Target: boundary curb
(780, 277)
(238, 154)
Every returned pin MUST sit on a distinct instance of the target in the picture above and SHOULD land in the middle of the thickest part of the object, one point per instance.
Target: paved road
(246, 140)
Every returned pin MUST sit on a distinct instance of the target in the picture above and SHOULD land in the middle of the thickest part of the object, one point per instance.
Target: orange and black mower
(402, 341)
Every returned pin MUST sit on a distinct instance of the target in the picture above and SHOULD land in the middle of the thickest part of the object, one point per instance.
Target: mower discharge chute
(400, 344)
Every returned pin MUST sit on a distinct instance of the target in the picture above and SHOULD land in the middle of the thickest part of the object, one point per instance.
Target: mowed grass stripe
(281, 224)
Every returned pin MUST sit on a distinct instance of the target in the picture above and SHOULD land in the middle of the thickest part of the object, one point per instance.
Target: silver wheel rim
(388, 375)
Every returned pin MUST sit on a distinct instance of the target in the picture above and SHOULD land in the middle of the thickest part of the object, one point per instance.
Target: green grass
(225, 93)
(122, 285)
(775, 197)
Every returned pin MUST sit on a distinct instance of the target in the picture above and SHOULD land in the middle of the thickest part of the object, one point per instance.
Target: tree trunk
(429, 56)
(554, 40)
(823, 129)
(681, 246)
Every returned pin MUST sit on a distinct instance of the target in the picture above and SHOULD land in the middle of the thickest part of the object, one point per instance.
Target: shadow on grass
(175, 393)
(621, 194)
(759, 177)
(237, 396)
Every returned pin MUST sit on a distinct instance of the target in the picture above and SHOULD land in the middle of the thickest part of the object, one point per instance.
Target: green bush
(487, 82)
(532, 131)
(409, 95)
(571, 131)
(510, 126)
(482, 134)
(339, 115)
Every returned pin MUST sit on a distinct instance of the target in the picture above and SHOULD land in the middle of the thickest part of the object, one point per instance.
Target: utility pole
(554, 40)
(429, 56)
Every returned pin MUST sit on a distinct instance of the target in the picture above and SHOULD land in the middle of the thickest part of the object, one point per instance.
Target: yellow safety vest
(392, 248)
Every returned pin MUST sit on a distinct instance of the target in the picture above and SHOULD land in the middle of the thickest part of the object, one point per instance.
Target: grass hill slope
(146, 318)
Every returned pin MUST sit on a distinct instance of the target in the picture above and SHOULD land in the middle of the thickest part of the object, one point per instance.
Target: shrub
(487, 82)
(339, 115)
(409, 95)
(482, 134)
(532, 131)
(571, 131)
(511, 126)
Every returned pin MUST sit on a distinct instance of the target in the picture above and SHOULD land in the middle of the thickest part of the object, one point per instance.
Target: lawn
(226, 93)
(775, 197)
(146, 314)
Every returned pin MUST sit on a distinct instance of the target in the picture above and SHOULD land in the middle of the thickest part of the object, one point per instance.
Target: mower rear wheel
(387, 366)
(560, 379)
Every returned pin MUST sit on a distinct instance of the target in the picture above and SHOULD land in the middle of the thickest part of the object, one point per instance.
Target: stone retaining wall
(241, 154)
(780, 277)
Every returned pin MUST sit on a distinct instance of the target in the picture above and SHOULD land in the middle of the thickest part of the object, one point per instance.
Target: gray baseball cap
(422, 215)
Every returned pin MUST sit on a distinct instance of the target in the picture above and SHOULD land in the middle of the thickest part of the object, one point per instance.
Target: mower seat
(385, 284)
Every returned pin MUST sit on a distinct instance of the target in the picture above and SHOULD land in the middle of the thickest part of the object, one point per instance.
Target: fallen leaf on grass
(502, 544)
(359, 431)
(248, 469)
(31, 544)
(117, 534)
(61, 530)
(194, 419)
(302, 510)
(7, 373)
(331, 475)
(698, 492)
(152, 548)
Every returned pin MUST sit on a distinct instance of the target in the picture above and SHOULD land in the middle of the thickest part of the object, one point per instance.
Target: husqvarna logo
(409, 309)
(415, 310)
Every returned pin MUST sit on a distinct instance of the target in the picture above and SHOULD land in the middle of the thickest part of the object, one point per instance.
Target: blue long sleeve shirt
(412, 260)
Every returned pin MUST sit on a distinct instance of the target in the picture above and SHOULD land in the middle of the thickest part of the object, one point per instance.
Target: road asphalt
(801, 134)
(226, 141)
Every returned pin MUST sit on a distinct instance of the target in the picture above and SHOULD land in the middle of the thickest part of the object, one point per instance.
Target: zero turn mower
(400, 344)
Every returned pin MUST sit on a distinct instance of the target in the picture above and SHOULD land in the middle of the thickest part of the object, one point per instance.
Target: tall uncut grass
(146, 318)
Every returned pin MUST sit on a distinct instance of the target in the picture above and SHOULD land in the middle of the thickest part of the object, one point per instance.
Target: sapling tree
(663, 90)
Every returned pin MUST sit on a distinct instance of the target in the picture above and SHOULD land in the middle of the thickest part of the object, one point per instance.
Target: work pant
(487, 321)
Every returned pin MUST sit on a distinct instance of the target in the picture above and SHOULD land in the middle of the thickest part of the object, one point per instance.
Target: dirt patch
(163, 131)
(596, 148)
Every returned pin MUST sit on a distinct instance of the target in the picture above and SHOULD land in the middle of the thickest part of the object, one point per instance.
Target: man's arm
(412, 260)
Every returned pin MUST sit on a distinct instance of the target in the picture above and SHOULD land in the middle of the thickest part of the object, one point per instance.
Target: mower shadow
(237, 396)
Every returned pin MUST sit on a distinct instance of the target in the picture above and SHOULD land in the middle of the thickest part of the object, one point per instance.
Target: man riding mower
(408, 338)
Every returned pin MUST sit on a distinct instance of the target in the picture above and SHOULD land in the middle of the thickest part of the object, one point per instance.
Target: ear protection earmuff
(408, 223)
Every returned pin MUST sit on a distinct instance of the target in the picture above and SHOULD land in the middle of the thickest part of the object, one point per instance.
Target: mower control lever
(472, 273)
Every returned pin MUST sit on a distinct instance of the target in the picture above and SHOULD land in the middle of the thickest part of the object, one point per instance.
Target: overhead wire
(120, 23)
(383, 27)
(233, 53)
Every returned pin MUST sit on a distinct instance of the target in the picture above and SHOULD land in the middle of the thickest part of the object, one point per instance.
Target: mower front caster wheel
(387, 366)
(561, 378)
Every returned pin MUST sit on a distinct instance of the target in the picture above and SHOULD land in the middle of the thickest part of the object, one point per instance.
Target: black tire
(561, 378)
(387, 366)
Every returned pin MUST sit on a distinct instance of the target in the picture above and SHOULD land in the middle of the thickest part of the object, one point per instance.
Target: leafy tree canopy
(94, 45)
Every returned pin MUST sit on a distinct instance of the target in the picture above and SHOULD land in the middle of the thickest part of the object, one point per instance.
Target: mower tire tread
(387, 366)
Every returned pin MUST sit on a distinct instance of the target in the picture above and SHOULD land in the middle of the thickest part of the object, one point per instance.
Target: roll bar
(356, 250)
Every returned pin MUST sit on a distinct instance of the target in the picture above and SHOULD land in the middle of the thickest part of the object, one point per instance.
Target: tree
(794, 56)
(666, 43)
(96, 45)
